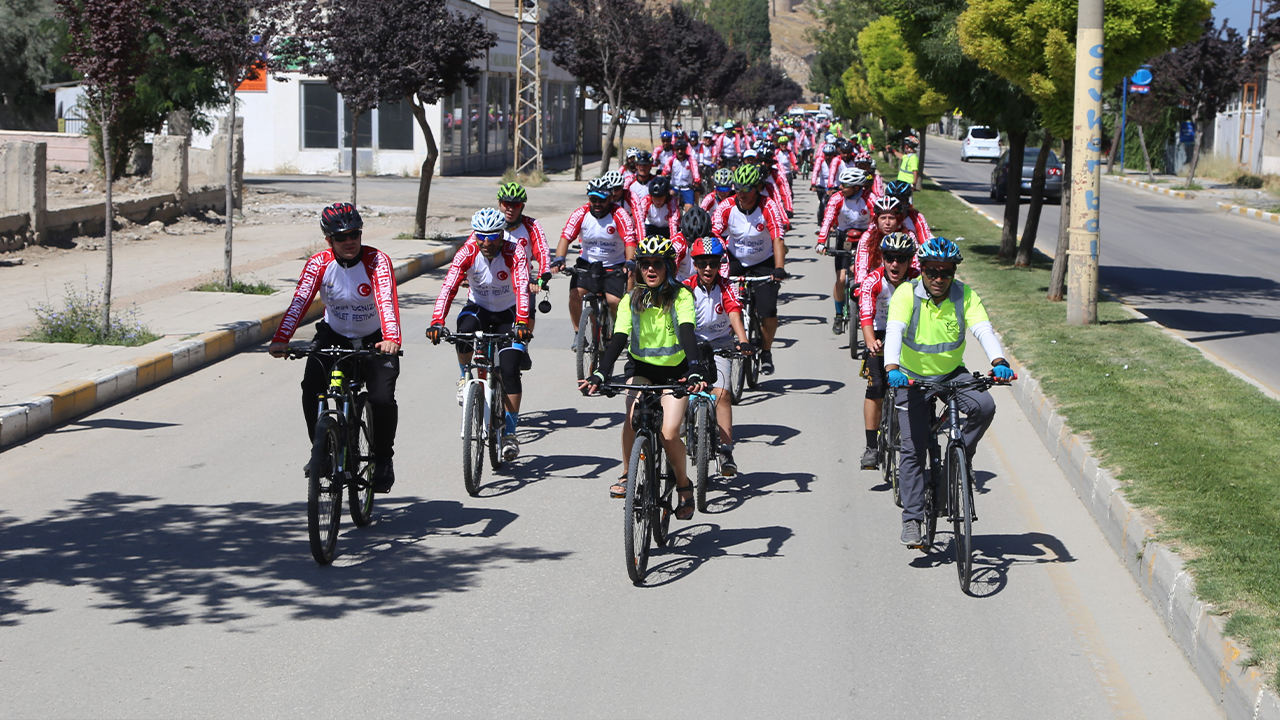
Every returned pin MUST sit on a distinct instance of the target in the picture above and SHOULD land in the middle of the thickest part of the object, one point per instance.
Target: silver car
(1052, 176)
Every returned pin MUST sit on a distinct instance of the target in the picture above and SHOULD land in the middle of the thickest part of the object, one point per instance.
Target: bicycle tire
(636, 514)
(702, 429)
(961, 514)
(497, 423)
(890, 442)
(604, 326)
(663, 492)
(737, 379)
(324, 491)
(851, 302)
(473, 439)
(584, 336)
(360, 493)
(932, 503)
(756, 338)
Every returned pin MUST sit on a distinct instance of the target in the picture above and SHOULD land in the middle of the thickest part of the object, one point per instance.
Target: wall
(67, 151)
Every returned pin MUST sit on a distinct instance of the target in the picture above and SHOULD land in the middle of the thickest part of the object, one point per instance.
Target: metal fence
(1227, 139)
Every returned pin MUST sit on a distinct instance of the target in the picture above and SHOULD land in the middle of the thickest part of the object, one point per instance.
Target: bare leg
(871, 413)
(673, 410)
(724, 416)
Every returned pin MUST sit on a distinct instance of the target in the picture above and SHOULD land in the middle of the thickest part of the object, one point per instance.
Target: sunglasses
(896, 259)
(939, 272)
(511, 203)
(488, 237)
(343, 237)
(703, 263)
(650, 264)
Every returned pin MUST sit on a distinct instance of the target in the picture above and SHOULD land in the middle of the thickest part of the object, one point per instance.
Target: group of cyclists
(667, 239)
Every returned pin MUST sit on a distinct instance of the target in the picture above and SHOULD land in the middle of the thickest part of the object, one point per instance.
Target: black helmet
(660, 186)
(695, 224)
(644, 158)
(340, 218)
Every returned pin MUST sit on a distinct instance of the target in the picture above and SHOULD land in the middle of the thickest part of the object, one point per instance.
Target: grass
(78, 319)
(238, 285)
(533, 179)
(1184, 186)
(1194, 446)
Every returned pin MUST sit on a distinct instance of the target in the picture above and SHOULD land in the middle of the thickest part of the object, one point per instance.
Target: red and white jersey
(683, 173)
(712, 307)
(660, 154)
(834, 168)
(605, 239)
(749, 236)
(845, 214)
(706, 154)
(728, 146)
(358, 300)
(709, 202)
(628, 177)
(778, 180)
(637, 189)
(916, 223)
(873, 297)
(819, 175)
(498, 284)
(869, 258)
(646, 213)
(684, 262)
(786, 160)
(529, 236)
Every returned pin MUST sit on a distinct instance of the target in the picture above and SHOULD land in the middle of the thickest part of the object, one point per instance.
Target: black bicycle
(849, 315)
(483, 404)
(755, 334)
(889, 443)
(341, 450)
(595, 324)
(651, 482)
(949, 480)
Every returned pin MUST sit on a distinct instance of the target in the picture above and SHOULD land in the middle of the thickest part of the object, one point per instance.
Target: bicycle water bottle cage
(336, 379)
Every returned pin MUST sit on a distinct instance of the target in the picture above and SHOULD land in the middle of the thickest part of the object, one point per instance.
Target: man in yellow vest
(909, 167)
(924, 340)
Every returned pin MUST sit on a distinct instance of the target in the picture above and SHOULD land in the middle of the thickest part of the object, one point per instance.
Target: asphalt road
(154, 563)
(1206, 275)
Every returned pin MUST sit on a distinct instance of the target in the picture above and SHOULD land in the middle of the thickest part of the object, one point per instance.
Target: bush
(238, 285)
(1251, 182)
(80, 321)
(530, 179)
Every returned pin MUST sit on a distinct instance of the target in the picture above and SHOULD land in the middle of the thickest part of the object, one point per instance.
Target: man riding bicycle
(925, 340)
(357, 285)
(849, 213)
(658, 212)
(912, 220)
(723, 181)
(607, 237)
(527, 233)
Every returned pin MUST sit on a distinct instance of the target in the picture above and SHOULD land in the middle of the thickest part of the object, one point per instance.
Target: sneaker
(837, 325)
(462, 390)
(728, 467)
(510, 448)
(870, 459)
(766, 362)
(911, 534)
(384, 475)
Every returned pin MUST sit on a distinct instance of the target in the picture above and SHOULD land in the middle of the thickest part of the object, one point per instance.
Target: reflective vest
(934, 339)
(653, 340)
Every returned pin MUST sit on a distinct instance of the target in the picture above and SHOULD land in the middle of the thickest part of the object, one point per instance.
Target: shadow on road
(728, 494)
(164, 565)
(538, 424)
(530, 469)
(695, 544)
(995, 555)
(1177, 287)
(110, 424)
(779, 434)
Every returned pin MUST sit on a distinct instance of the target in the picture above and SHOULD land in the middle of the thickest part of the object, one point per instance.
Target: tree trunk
(920, 175)
(582, 130)
(1058, 279)
(1029, 231)
(231, 179)
(107, 168)
(355, 137)
(613, 130)
(1195, 153)
(1115, 143)
(651, 145)
(1012, 194)
(428, 168)
(1146, 158)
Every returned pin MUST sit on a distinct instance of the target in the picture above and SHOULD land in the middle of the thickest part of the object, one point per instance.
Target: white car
(980, 142)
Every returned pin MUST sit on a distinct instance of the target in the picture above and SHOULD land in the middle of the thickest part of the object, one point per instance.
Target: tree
(32, 41)
(744, 25)
(375, 51)
(596, 40)
(1206, 73)
(719, 75)
(761, 86)
(230, 38)
(836, 41)
(108, 48)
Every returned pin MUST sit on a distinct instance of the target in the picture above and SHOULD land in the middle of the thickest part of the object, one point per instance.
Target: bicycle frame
(483, 371)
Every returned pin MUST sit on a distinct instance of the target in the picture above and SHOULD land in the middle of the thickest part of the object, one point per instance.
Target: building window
(395, 126)
(319, 115)
(364, 130)
(451, 124)
(474, 127)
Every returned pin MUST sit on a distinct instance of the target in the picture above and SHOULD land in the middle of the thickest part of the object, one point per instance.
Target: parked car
(980, 142)
(1052, 176)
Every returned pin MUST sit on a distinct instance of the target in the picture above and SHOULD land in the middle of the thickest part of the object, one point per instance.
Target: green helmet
(746, 177)
(655, 246)
(512, 192)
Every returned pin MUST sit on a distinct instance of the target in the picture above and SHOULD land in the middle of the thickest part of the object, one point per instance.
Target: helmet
(784, 139)
(718, 128)
(751, 153)
(900, 190)
(681, 143)
(644, 158)
(728, 125)
(746, 177)
(940, 249)
(488, 221)
(909, 142)
(660, 186)
(600, 187)
(844, 145)
(655, 246)
(829, 138)
(889, 205)
(830, 149)
(898, 242)
(850, 177)
(862, 156)
(512, 192)
(666, 135)
(343, 217)
(614, 178)
(632, 152)
(704, 246)
(722, 178)
(695, 224)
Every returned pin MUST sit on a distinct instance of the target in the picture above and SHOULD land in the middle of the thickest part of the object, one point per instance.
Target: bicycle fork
(466, 406)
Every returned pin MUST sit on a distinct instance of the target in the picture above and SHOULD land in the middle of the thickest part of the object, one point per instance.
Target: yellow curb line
(1249, 212)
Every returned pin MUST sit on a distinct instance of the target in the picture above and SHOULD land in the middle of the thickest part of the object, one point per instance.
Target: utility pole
(1086, 168)
(528, 87)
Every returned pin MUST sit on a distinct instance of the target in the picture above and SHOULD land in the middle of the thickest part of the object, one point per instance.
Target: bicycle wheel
(604, 331)
(889, 444)
(473, 439)
(497, 423)
(662, 490)
(737, 378)
(933, 501)
(360, 492)
(961, 513)
(586, 336)
(324, 491)
(637, 513)
(755, 337)
(702, 452)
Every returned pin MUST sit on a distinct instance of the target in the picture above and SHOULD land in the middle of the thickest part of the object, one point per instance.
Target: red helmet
(340, 218)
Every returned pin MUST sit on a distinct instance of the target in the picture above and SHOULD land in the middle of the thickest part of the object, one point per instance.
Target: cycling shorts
(766, 293)
(686, 196)
(877, 379)
(474, 318)
(655, 374)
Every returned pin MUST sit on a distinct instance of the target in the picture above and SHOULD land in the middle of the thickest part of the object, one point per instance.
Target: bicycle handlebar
(612, 389)
(961, 383)
(748, 279)
(456, 337)
(297, 353)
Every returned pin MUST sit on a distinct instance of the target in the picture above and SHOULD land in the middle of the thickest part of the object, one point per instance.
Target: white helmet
(718, 128)
(614, 178)
(488, 221)
(831, 137)
(853, 176)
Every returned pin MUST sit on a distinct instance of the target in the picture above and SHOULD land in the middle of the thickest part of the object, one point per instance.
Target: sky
(1235, 11)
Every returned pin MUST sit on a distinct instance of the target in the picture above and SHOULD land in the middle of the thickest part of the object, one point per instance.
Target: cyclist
(723, 183)
(924, 340)
(913, 220)
(864, 140)
(776, 180)
(496, 271)
(527, 233)
(706, 155)
(863, 161)
(693, 225)
(682, 169)
(719, 327)
(607, 237)
(656, 326)
(889, 214)
(662, 151)
(358, 288)
(617, 182)
(658, 212)
(730, 146)
(898, 250)
(629, 164)
(849, 213)
(819, 182)
(909, 167)
(638, 185)
(786, 156)
(752, 233)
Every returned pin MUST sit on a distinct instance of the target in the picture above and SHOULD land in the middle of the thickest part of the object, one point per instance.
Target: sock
(462, 370)
(511, 423)
(871, 438)
(839, 307)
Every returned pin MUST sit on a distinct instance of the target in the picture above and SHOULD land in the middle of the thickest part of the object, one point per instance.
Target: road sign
(1140, 89)
(1187, 132)
(1142, 77)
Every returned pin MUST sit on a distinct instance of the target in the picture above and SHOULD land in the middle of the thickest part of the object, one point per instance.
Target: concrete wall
(69, 152)
(22, 190)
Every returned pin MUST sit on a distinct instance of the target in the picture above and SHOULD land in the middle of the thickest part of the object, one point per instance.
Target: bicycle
(953, 470)
(341, 450)
(483, 405)
(889, 442)
(848, 315)
(651, 482)
(702, 438)
(596, 318)
(755, 335)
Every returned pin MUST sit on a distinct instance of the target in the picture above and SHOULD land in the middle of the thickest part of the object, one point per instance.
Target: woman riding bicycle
(849, 214)
(656, 326)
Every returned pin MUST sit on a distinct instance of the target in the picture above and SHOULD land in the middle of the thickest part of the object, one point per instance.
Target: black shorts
(877, 380)
(766, 293)
(656, 374)
(844, 262)
(474, 318)
(602, 280)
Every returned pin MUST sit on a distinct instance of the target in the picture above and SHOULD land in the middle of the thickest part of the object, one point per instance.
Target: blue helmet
(940, 249)
(666, 135)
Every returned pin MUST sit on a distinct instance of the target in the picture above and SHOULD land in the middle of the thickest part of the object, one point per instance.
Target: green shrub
(79, 320)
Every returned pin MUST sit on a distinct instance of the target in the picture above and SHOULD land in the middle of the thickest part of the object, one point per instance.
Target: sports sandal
(619, 489)
(686, 503)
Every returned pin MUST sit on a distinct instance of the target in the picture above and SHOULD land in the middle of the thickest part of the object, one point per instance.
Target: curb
(75, 398)
(1249, 212)
(1180, 194)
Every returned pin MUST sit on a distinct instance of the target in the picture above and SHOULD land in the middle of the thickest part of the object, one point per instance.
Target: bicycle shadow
(732, 493)
(164, 565)
(694, 545)
(801, 320)
(995, 555)
(536, 425)
(753, 433)
(527, 470)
